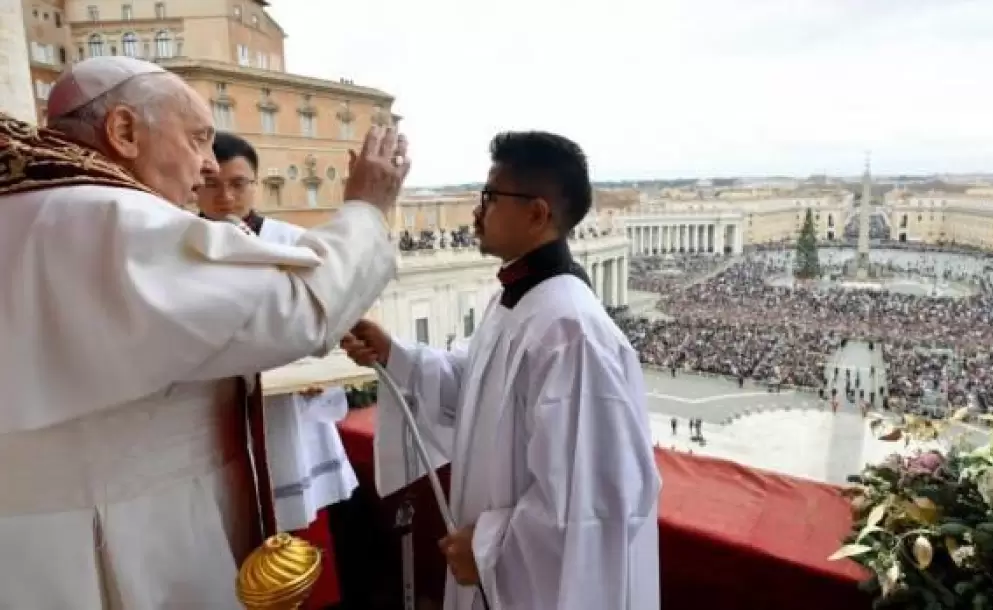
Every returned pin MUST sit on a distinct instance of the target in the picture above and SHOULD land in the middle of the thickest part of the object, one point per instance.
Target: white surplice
(308, 467)
(125, 322)
(544, 420)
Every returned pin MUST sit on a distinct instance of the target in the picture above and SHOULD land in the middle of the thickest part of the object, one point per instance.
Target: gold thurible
(279, 574)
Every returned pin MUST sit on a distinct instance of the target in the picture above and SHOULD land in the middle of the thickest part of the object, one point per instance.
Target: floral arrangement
(923, 523)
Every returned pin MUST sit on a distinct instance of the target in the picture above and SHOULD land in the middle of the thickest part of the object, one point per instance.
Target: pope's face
(174, 148)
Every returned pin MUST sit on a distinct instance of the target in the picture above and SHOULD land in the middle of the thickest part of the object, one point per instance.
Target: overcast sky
(670, 88)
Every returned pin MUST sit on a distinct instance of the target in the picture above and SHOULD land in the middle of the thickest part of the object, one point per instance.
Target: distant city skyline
(682, 88)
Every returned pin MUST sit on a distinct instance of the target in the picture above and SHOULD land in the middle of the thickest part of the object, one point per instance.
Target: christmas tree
(805, 264)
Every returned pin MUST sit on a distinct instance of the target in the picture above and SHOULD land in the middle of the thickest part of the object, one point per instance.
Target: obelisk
(16, 93)
(862, 254)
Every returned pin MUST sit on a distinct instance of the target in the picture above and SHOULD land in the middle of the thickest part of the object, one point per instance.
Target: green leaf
(985, 527)
(877, 513)
(849, 550)
(953, 529)
(868, 529)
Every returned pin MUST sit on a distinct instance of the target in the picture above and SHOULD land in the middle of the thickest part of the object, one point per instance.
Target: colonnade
(609, 277)
(703, 237)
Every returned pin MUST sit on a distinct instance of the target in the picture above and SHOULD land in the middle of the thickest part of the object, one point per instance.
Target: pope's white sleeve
(304, 311)
(119, 295)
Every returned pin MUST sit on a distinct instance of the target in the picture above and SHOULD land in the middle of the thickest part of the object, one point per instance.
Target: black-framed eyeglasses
(237, 185)
(487, 196)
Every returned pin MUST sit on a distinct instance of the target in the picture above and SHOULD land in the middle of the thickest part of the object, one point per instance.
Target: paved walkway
(793, 432)
(714, 399)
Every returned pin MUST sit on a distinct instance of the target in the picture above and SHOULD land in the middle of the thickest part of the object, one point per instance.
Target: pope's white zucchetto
(87, 80)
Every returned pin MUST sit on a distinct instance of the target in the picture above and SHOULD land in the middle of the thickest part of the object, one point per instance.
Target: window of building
(347, 132)
(42, 89)
(408, 220)
(308, 128)
(58, 20)
(160, 12)
(223, 117)
(127, 13)
(244, 58)
(262, 60)
(221, 87)
(93, 13)
(469, 323)
(268, 121)
(63, 56)
(255, 21)
(292, 172)
(311, 195)
(96, 46)
(421, 330)
(163, 45)
(237, 11)
(129, 44)
(274, 195)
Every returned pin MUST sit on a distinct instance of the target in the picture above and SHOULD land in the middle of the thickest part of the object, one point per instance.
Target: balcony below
(731, 537)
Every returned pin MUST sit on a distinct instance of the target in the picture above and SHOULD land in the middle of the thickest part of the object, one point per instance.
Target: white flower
(963, 555)
(889, 580)
(984, 482)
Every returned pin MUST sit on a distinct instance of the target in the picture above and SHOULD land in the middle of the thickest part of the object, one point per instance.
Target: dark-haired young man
(554, 482)
(231, 192)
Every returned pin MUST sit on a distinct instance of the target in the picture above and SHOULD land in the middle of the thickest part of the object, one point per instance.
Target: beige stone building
(936, 217)
(49, 43)
(231, 52)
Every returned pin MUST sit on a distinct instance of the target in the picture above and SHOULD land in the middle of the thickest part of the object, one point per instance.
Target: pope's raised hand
(377, 172)
(367, 344)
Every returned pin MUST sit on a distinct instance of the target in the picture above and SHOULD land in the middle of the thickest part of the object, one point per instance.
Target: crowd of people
(742, 323)
(661, 274)
(429, 239)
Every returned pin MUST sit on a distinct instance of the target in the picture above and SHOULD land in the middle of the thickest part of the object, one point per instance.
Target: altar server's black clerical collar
(254, 221)
(538, 265)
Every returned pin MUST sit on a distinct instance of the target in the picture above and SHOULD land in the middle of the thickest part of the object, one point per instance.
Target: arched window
(129, 44)
(96, 45)
(163, 44)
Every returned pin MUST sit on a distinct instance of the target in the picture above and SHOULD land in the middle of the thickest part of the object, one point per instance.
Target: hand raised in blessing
(376, 174)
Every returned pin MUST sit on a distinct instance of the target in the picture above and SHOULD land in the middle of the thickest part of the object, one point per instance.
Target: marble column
(622, 281)
(609, 298)
(16, 89)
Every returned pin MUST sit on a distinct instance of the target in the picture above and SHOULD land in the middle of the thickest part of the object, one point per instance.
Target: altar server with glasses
(554, 484)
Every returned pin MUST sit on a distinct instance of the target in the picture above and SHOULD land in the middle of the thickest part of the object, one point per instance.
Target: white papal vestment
(544, 420)
(125, 479)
